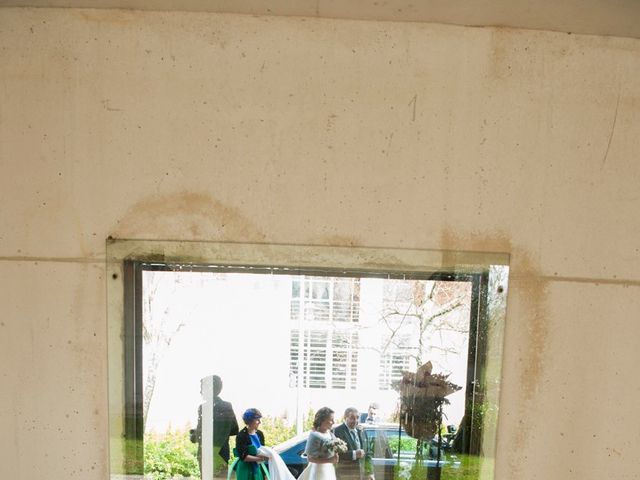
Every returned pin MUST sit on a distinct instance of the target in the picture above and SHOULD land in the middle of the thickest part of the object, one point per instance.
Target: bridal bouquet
(337, 445)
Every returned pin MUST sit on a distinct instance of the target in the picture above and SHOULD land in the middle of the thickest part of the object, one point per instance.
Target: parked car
(292, 453)
(392, 452)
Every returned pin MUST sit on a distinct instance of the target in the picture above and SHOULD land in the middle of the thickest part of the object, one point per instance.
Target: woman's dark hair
(250, 415)
(321, 416)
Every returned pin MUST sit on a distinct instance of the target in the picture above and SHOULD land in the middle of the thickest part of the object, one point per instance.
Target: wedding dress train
(277, 468)
(318, 471)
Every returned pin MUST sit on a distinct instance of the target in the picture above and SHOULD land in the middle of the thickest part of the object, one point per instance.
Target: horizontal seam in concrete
(53, 259)
(607, 281)
(546, 278)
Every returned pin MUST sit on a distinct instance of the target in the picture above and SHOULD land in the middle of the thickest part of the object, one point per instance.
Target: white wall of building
(238, 326)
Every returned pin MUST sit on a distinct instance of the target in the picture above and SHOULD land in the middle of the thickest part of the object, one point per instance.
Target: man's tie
(355, 438)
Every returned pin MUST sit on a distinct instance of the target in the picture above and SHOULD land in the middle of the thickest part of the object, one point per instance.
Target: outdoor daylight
(289, 345)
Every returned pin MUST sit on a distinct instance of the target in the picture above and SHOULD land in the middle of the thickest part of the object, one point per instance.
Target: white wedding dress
(318, 471)
(277, 468)
(317, 447)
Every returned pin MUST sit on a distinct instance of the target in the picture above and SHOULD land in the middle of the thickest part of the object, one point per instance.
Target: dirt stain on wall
(528, 289)
(528, 284)
(186, 216)
(339, 241)
(118, 17)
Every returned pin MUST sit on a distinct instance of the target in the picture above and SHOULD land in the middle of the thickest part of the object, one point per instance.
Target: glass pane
(415, 354)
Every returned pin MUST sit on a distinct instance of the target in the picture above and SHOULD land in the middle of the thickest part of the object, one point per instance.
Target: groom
(355, 463)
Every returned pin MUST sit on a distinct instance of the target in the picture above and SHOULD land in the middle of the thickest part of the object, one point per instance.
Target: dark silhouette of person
(224, 425)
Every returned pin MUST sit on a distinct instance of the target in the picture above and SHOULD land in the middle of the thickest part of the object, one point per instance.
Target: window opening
(332, 337)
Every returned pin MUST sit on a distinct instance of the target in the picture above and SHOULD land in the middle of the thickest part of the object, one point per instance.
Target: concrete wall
(215, 127)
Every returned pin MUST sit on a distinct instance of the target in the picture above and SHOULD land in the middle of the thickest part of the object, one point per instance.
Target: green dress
(248, 470)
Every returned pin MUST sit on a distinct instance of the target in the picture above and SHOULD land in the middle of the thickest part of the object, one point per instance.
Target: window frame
(127, 259)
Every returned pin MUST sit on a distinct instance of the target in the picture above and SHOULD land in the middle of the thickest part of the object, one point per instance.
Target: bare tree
(160, 325)
(421, 310)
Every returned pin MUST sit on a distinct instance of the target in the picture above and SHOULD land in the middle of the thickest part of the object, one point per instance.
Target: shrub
(276, 430)
(170, 455)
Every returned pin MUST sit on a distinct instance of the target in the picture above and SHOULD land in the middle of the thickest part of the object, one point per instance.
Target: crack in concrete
(613, 127)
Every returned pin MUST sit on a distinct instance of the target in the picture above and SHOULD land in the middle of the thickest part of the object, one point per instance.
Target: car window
(387, 443)
(406, 446)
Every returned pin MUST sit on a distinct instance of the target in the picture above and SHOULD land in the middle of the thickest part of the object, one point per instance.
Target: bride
(322, 448)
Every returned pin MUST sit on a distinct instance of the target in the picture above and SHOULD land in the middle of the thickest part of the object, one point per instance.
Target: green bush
(276, 430)
(458, 467)
(170, 455)
(470, 468)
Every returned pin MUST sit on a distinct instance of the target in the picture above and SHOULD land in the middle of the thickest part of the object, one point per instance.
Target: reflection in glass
(216, 423)
(375, 346)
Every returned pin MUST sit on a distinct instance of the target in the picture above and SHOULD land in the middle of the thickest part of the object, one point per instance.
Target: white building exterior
(353, 348)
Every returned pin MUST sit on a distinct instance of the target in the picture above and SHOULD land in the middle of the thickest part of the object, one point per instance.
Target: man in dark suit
(355, 463)
(224, 425)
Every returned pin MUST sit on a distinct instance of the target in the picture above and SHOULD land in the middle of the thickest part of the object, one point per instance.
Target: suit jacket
(224, 426)
(348, 468)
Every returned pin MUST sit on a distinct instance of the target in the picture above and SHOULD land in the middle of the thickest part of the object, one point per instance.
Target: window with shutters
(324, 342)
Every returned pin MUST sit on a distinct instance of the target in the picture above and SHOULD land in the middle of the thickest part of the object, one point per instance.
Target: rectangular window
(344, 365)
(323, 341)
(391, 367)
(289, 335)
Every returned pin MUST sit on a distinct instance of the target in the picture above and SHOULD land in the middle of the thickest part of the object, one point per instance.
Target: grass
(471, 467)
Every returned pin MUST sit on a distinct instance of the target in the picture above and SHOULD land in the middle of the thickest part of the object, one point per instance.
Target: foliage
(276, 430)
(170, 455)
(133, 462)
(459, 467)
(308, 420)
(406, 444)
(469, 468)
(483, 413)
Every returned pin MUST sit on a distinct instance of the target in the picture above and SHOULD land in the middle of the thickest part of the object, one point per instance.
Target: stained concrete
(197, 126)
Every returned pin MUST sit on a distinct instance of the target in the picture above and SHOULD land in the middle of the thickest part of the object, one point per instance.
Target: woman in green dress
(250, 465)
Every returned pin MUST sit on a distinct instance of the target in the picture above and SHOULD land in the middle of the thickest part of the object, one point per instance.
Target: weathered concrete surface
(223, 127)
